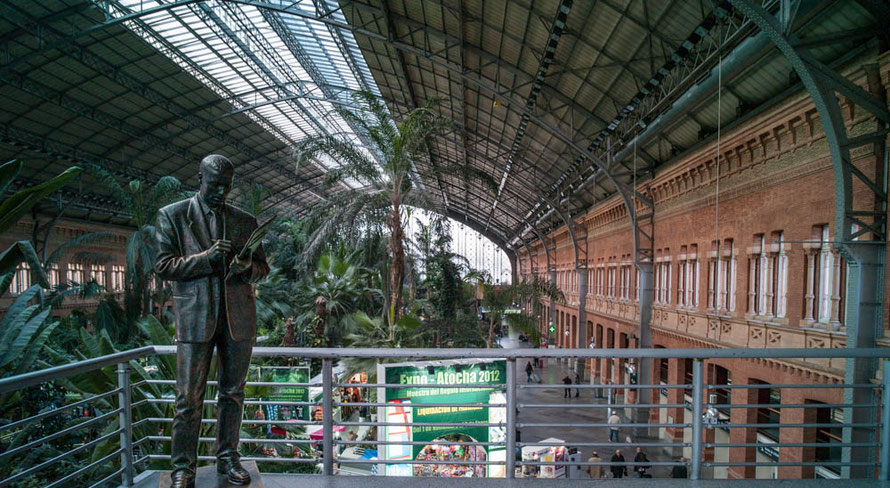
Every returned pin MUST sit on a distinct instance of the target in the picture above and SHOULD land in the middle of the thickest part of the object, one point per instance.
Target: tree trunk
(490, 340)
(394, 222)
(318, 330)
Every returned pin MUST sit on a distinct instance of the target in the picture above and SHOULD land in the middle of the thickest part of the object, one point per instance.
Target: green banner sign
(412, 398)
(288, 394)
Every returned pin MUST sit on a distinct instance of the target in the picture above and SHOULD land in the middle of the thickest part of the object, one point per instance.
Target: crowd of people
(617, 465)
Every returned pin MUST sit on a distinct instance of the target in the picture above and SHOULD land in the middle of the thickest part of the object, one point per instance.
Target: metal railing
(121, 464)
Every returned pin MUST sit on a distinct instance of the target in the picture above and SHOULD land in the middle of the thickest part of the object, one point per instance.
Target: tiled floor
(566, 410)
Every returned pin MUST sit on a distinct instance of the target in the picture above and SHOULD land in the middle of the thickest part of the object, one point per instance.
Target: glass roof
(286, 73)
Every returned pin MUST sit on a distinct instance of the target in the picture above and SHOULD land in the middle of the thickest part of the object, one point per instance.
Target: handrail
(510, 423)
(18, 382)
(596, 353)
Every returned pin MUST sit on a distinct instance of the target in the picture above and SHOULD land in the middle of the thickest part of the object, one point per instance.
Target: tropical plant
(14, 208)
(380, 333)
(384, 177)
(24, 327)
(142, 204)
(338, 288)
(495, 299)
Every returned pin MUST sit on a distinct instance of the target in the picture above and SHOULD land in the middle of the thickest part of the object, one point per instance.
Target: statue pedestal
(208, 477)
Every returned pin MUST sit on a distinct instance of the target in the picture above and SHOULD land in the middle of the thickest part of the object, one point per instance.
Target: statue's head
(215, 177)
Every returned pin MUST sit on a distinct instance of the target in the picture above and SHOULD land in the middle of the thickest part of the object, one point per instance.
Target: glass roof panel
(276, 68)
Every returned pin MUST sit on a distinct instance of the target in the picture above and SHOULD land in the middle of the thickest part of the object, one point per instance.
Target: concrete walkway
(567, 410)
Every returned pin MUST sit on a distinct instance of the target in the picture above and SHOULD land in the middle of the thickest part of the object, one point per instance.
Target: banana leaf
(16, 254)
(8, 172)
(13, 208)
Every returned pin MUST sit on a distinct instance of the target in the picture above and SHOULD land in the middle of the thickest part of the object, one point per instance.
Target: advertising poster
(285, 413)
(409, 407)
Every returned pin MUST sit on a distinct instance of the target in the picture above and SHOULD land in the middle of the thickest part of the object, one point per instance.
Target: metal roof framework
(549, 94)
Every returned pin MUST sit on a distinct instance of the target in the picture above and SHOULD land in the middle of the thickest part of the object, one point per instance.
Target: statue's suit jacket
(183, 241)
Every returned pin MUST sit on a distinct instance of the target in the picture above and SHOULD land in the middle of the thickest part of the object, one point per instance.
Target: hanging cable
(717, 191)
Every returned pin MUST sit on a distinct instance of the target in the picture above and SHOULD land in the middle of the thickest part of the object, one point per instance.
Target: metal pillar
(865, 274)
(511, 418)
(862, 318)
(885, 423)
(327, 405)
(644, 371)
(126, 422)
(697, 390)
(581, 270)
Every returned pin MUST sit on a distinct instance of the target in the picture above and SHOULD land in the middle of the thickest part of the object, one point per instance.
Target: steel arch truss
(822, 83)
(855, 217)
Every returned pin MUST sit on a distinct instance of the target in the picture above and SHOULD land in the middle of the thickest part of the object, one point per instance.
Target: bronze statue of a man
(198, 242)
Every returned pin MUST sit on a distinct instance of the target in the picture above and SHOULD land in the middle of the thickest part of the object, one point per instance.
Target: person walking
(618, 470)
(577, 382)
(529, 370)
(679, 471)
(568, 391)
(614, 420)
(642, 467)
(595, 471)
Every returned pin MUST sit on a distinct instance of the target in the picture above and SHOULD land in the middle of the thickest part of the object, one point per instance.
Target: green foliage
(143, 204)
(380, 333)
(383, 172)
(20, 203)
(21, 251)
(526, 324)
(24, 330)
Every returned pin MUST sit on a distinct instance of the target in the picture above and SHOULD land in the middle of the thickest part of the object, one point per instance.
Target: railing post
(511, 418)
(885, 422)
(126, 423)
(697, 390)
(327, 405)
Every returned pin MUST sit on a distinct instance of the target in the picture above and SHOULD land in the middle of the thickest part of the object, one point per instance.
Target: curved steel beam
(865, 259)
(626, 194)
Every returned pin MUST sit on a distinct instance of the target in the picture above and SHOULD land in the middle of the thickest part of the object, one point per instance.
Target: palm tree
(496, 299)
(383, 173)
(25, 327)
(142, 204)
(378, 333)
(338, 288)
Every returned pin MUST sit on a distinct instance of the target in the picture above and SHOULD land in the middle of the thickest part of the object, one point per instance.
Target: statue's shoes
(231, 467)
(182, 479)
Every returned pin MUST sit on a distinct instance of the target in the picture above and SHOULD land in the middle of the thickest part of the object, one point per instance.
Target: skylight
(287, 73)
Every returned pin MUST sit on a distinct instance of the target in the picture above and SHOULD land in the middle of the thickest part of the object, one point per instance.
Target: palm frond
(352, 162)
(108, 180)
(8, 171)
(167, 190)
(89, 258)
(76, 242)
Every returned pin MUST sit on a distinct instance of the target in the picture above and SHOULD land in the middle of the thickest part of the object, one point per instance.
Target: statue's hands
(218, 251)
(241, 265)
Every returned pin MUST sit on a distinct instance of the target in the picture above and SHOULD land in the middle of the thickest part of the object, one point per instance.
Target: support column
(552, 275)
(676, 415)
(581, 272)
(712, 299)
(644, 367)
(835, 323)
(739, 435)
(770, 310)
(752, 290)
(863, 320)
